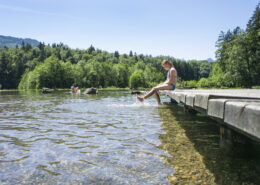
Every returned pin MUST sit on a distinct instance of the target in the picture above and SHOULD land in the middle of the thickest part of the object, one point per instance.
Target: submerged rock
(91, 90)
(46, 90)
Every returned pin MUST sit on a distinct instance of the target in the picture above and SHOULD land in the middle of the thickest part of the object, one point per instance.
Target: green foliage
(206, 83)
(137, 80)
(203, 82)
(192, 83)
(238, 56)
(59, 66)
(116, 54)
(152, 77)
(205, 69)
(130, 54)
(121, 75)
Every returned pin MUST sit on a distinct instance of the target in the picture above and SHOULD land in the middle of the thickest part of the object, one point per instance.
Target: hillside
(11, 42)
(210, 60)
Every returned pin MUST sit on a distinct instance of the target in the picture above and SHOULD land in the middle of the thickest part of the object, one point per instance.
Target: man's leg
(141, 99)
(157, 98)
(150, 93)
(154, 91)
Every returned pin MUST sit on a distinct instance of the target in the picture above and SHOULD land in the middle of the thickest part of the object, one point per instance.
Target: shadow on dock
(204, 152)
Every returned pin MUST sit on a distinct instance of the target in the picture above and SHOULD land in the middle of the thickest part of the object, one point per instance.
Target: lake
(110, 138)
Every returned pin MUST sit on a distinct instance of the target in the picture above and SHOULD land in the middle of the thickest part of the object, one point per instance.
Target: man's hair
(166, 62)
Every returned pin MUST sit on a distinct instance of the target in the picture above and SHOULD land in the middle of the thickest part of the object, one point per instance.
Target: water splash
(134, 105)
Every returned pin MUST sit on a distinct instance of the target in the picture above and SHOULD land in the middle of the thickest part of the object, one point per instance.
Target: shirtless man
(169, 84)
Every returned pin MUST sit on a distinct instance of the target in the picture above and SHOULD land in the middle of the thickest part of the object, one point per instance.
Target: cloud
(30, 11)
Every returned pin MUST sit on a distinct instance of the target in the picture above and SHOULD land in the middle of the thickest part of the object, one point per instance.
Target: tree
(238, 54)
(3, 70)
(23, 45)
(121, 71)
(223, 43)
(116, 54)
(41, 46)
(253, 44)
(131, 53)
(90, 49)
(152, 77)
(205, 69)
(137, 80)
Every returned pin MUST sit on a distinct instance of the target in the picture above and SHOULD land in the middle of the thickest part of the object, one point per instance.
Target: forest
(58, 66)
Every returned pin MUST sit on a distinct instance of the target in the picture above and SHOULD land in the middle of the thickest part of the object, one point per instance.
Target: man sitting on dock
(169, 84)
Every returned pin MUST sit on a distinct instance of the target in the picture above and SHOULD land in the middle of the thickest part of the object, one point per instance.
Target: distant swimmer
(74, 89)
(169, 84)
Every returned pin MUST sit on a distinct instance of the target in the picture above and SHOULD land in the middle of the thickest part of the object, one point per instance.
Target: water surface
(109, 138)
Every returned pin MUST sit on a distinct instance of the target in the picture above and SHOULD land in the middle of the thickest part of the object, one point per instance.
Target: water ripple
(108, 138)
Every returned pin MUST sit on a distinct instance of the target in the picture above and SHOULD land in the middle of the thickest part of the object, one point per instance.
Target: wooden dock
(239, 109)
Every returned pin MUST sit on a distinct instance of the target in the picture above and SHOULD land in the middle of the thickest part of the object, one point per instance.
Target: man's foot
(139, 98)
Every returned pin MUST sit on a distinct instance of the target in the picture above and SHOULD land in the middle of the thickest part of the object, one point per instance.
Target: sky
(183, 29)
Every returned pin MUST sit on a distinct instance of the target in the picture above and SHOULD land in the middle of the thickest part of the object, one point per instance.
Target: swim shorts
(173, 86)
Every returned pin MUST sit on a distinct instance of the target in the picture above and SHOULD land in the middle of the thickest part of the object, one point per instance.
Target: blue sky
(184, 29)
